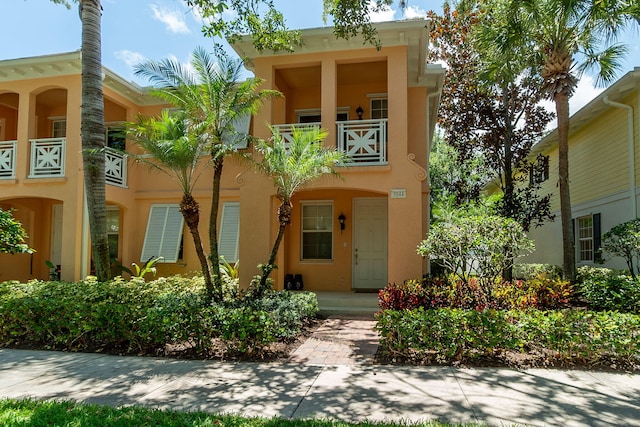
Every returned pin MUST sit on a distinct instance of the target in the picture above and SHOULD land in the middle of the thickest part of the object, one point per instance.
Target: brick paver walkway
(339, 341)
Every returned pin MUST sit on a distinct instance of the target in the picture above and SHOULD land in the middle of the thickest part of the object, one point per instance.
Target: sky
(137, 30)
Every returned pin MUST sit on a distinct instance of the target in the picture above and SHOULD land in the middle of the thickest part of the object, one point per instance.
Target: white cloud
(385, 13)
(129, 57)
(173, 19)
(412, 12)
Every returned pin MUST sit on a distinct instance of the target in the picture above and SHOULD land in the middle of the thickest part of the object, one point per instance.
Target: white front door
(370, 243)
(56, 235)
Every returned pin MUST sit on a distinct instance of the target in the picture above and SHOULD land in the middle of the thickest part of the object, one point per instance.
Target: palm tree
(211, 94)
(569, 36)
(291, 166)
(176, 149)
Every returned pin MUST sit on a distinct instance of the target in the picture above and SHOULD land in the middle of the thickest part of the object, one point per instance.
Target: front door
(370, 243)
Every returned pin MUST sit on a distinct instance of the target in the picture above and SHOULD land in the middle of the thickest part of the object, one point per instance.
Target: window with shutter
(164, 233)
(229, 231)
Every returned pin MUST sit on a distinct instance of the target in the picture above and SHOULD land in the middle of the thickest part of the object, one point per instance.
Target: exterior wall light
(341, 220)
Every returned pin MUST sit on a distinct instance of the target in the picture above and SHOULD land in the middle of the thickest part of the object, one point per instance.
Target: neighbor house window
(588, 238)
(379, 108)
(317, 231)
(164, 233)
(539, 171)
(229, 231)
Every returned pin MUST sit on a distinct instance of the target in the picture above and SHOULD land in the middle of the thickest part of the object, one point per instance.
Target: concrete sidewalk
(345, 392)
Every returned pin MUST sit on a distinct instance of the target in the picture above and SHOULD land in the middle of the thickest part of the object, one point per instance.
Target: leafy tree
(484, 245)
(623, 240)
(12, 235)
(291, 166)
(268, 30)
(93, 132)
(212, 96)
(177, 147)
(490, 114)
(566, 37)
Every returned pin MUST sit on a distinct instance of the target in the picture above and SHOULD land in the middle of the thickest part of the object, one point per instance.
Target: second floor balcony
(47, 159)
(364, 141)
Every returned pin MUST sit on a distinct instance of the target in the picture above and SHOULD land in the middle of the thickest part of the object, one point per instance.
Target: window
(379, 108)
(115, 137)
(164, 233)
(113, 231)
(59, 128)
(589, 239)
(313, 115)
(539, 170)
(229, 231)
(317, 231)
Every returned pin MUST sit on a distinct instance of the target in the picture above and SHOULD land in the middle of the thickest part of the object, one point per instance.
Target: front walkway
(494, 396)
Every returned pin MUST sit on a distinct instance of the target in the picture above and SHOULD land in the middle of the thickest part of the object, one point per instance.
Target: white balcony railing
(8, 159)
(364, 141)
(47, 158)
(115, 167)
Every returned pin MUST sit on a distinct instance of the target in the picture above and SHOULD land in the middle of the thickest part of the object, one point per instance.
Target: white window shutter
(229, 231)
(164, 233)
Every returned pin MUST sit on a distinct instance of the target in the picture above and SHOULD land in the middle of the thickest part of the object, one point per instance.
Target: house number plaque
(398, 193)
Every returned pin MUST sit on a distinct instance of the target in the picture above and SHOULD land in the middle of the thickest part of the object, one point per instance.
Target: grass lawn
(32, 413)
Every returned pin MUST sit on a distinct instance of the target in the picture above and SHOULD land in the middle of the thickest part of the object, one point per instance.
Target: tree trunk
(508, 201)
(561, 100)
(93, 135)
(214, 256)
(191, 213)
(284, 218)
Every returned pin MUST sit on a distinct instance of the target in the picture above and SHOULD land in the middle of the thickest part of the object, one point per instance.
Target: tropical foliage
(292, 164)
(211, 94)
(623, 240)
(12, 235)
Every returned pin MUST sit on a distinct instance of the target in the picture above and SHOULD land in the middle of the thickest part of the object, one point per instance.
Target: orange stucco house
(379, 106)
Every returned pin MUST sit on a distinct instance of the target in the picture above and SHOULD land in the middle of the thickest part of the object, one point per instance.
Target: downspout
(632, 155)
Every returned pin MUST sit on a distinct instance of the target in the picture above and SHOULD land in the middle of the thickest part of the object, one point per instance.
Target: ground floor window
(317, 231)
(163, 237)
(113, 232)
(588, 238)
(229, 231)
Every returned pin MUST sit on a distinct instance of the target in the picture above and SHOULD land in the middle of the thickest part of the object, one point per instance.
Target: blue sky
(135, 30)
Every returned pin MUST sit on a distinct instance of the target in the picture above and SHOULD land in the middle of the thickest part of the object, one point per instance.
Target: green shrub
(449, 335)
(530, 271)
(611, 292)
(143, 317)
(623, 240)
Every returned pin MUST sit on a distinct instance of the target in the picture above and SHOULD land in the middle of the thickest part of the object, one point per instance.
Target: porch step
(348, 303)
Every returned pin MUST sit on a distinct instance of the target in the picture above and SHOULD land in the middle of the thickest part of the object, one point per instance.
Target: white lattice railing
(47, 158)
(115, 167)
(286, 131)
(8, 159)
(365, 141)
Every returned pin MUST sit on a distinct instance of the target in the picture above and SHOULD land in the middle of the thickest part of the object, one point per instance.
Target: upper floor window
(114, 137)
(539, 171)
(312, 115)
(379, 108)
(58, 128)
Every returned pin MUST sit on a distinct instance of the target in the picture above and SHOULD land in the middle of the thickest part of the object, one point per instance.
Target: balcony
(8, 159)
(364, 141)
(47, 158)
(115, 167)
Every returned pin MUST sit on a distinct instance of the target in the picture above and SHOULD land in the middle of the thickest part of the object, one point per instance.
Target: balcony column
(328, 102)
(397, 85)
(26, 131)
(264, 116)
(76, 253)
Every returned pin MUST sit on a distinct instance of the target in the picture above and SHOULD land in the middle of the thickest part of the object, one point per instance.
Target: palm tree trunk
(191, 213)
(284, 218)
(561, 100)
(216, 294)
(93, 135)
